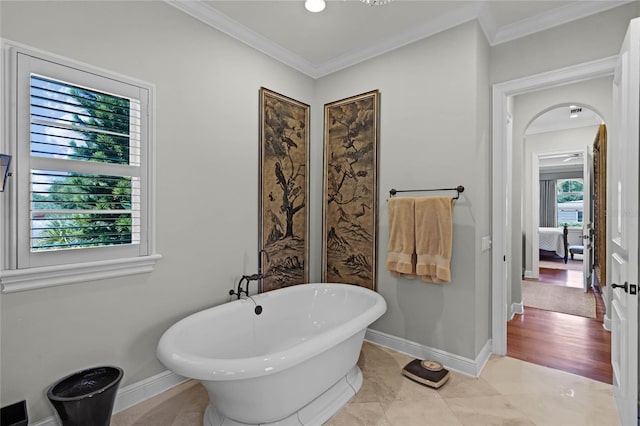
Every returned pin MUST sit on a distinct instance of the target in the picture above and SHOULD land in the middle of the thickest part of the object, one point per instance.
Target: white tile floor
(508, 392)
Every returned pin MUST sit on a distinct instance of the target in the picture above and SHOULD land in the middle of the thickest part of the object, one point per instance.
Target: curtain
(548, 216)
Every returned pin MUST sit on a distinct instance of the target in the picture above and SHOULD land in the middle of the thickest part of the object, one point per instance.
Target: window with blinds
(80, 194)
(71, 126)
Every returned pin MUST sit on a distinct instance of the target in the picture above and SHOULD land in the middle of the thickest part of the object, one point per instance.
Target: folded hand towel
(434, 238)
(401, 248)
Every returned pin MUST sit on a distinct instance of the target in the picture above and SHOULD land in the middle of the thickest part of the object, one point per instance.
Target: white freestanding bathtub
(294, 364)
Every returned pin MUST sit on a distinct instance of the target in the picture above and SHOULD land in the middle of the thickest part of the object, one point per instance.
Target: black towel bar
(458, 189)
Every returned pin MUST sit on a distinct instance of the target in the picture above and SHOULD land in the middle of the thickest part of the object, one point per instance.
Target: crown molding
(477, 10)
(553, 18)
(486, 21)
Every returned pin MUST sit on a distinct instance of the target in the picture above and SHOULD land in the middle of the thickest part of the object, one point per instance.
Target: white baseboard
(471, 367)
(516, 308)
(606, 322)
(133, 394)
(605, 296)
(530, 274)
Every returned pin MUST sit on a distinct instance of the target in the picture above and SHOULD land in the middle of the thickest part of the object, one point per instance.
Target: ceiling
(348, 31)
(561, 118)
(566, 162)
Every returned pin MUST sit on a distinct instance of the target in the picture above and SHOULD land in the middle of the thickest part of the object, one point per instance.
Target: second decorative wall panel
(350, 196)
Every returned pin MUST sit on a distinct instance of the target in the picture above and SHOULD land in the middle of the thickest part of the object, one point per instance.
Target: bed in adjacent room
(553, 242)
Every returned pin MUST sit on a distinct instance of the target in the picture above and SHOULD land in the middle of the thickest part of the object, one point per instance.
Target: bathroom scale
(429, 373)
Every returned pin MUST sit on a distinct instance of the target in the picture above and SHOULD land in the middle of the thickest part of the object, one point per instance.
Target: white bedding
(551, 239)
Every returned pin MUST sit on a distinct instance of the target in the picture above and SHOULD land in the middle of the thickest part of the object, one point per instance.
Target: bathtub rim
(202, 368)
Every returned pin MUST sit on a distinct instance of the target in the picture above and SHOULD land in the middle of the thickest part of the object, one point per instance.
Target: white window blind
(81, 186)
(71, 209)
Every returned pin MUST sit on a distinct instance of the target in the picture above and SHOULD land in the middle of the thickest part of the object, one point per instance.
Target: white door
(622, 219)
(587, 221)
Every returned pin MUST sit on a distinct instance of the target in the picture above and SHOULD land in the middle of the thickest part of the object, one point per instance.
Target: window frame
(558, 194)
(22, 269)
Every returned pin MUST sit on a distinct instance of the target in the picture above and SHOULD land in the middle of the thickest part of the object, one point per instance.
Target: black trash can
(86, 398)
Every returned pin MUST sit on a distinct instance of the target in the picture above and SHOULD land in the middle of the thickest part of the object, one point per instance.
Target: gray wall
(433, 134)
(584, 40)
(482, 178)
(207, 185)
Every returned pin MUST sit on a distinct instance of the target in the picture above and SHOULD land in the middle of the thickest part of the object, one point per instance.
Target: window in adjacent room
(570, 202)
(82, 141)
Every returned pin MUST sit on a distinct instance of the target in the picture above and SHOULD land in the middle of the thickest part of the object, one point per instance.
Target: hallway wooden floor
(565, 342)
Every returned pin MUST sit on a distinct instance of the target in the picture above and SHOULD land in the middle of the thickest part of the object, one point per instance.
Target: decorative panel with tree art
(350, 202)
(284, 185)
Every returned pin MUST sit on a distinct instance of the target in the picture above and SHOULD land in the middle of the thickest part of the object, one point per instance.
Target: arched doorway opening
(558, 301)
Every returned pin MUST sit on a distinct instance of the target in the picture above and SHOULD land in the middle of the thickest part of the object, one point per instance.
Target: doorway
(558, 181)
(621, 306)
(560, 324)
(504, 251)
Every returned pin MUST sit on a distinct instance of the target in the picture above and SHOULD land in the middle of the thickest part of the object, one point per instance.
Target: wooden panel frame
(600, 204)
(350, 190)
(284, 188)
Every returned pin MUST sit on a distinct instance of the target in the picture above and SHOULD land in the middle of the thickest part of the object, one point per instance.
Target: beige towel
(401, 248)
(434, 238)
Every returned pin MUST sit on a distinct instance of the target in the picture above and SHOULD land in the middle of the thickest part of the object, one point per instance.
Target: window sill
(50, 276)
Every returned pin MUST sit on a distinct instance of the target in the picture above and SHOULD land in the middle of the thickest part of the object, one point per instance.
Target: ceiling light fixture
(314, 5)
(376, 2)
